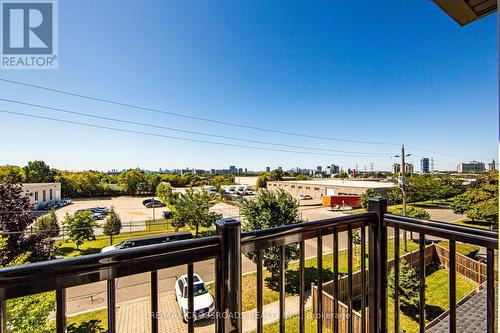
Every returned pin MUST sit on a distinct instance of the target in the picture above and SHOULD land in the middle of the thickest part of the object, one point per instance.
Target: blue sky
(398, 72)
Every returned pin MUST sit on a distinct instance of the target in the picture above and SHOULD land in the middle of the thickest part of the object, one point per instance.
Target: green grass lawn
(101, 315)
(249, 297)
(67, 248)
(436, 299)
(474, 224)
(436, 302)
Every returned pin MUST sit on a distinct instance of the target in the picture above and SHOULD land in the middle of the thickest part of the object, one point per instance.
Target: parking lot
(132, 212)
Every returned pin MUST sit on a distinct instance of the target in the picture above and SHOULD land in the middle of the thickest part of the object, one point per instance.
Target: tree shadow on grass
(292, 278)
(65, 250)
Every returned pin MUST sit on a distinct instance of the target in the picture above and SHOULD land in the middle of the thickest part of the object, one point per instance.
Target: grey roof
(471, 316)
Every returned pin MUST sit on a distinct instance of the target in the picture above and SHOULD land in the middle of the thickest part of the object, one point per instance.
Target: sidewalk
(271, 311)
(135, 316)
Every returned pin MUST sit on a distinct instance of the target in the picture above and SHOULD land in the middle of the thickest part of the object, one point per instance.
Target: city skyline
(254, 72)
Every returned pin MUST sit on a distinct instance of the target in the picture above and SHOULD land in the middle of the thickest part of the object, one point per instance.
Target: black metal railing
(227, 247)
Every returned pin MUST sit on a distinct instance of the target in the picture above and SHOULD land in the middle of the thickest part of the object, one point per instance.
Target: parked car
(98, 211)
(95, 214)
(305, 197)
(167, 214)
(204, 305)
(157, 239)
(150, 203)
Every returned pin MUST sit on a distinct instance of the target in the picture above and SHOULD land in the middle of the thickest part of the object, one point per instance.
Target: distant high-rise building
(492, 166)
(396, 168)
(334, 169)
(424, 165)
(268, 169)
(319, 168)
(232, 169)
(472, 166)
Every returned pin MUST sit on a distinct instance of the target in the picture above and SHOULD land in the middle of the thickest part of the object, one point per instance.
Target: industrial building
(472, 166)
(331, 187)
(41, 194)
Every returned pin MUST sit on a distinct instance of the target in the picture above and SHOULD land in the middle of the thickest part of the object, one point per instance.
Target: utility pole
(402, 183)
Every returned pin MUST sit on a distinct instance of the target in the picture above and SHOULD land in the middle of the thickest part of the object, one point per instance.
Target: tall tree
(112, 225)
(269, 209)
(48, 224)
(409, 283)
(16, 217)
(80, 227)
(480, 201)
(39, 172)
(11, 174)
(193, 208)
(132, 181)
(369, 193)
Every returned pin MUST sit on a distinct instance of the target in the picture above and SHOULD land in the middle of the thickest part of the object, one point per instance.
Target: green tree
(369, 193)
(48, 224)
(276, 175)
(29, 313)
(11, 174)
(112, 226)
(409, 284)
(262, 180)
(165, 193)
(193, 208)
(356, 239)
(16, 218)
(132, 181)
(480, 201)
(80, 227)
(39, 172)
(269, 209)
(415, 212)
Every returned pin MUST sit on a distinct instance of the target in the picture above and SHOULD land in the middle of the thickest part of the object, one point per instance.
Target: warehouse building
(331, 187)
(41, 194)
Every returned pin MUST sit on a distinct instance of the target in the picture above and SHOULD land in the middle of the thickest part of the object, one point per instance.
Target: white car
(203, 301)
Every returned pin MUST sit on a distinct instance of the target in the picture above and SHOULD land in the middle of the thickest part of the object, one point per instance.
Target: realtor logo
(29, 34)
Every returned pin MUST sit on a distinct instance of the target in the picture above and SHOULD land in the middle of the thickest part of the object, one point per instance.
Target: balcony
(334, 310)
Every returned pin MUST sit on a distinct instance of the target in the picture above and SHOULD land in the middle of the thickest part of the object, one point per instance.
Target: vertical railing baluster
(302, 287)
(396, 279)
(453, 288)
(219, 286)
(154, 302)
(60, 310)
(229, 264)
(363, 279)
(421, 253)
(3, 316)
(319, 257)
(377, 270)
(282, 287)
(335, 280)
(111, 296)
(490, 290)
(349, 279)
(190, 290)
(259, 292)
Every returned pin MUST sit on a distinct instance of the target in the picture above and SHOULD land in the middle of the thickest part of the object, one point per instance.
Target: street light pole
(403, 189)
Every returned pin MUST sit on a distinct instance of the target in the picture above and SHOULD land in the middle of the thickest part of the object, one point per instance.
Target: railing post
(229, 266)
(377, 268)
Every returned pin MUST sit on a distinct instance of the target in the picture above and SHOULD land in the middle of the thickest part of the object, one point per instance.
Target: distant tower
(492, 166)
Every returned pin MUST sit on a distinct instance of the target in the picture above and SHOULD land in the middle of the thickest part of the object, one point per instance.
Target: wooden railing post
(229, 276)
(377, 269)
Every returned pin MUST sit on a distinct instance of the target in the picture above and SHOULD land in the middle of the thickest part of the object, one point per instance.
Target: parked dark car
(157, 239)
(150, 203)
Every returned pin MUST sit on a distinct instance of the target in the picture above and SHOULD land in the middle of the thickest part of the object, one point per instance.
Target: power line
(169, 136)
(185, 131)
(170, 113)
